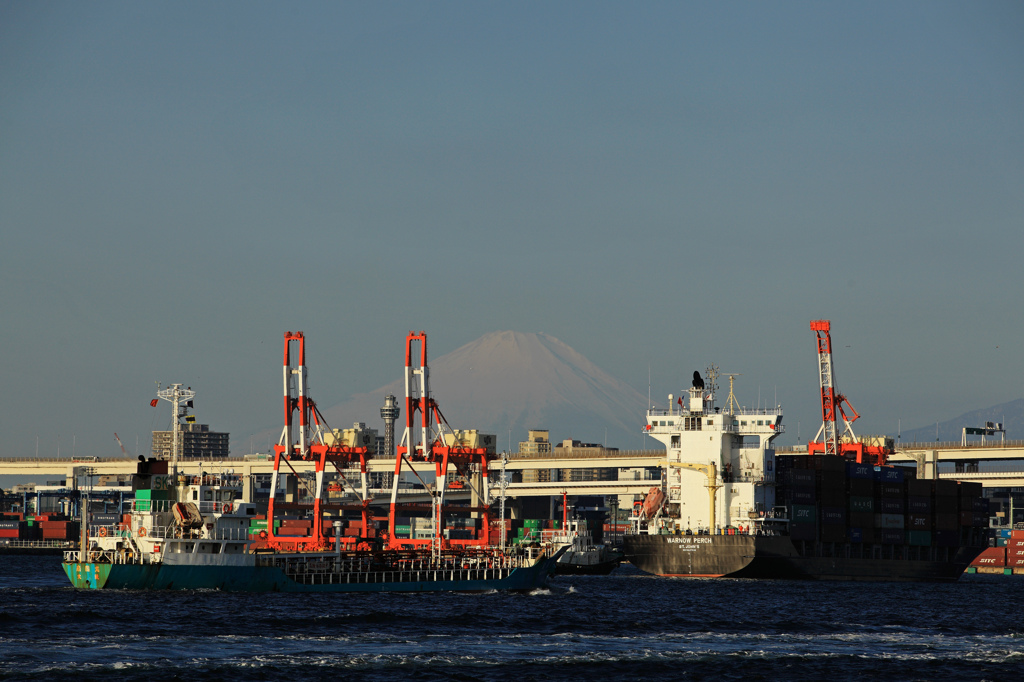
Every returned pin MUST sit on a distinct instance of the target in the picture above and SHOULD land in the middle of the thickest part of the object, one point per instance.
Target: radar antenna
(732, 406)
(712, 380)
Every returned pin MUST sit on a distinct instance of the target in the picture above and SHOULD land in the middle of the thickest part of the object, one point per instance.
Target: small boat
(582, 556)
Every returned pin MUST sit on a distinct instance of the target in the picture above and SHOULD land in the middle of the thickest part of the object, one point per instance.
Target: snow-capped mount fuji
(517, 381)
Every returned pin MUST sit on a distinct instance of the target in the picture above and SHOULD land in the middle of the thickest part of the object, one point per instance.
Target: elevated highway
(42, 470)
(993, 464)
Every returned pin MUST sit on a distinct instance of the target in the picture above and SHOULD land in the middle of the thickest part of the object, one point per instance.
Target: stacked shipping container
(1007, 558)
(832, 500)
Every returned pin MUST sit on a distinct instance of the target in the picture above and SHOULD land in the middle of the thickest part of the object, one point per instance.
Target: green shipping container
(920, 538)
(805, 513)
(261, 524)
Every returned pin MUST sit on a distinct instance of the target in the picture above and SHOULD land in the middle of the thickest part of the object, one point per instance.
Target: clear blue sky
(658, 185)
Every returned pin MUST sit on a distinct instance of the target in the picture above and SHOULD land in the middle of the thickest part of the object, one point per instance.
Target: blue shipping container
(854, 470)
(892, 475)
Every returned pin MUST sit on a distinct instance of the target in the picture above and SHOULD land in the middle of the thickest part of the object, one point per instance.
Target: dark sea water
(624, 626)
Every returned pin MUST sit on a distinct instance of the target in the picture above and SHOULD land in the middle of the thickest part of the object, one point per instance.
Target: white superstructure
(725, 454)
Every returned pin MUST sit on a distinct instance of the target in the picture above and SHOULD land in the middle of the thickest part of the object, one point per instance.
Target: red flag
(153, 402)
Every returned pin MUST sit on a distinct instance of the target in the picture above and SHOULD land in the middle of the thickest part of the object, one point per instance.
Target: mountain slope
(516, 381)
(1011, 414)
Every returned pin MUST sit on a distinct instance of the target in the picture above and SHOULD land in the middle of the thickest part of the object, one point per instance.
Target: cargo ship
(729, 506)
(199, 531)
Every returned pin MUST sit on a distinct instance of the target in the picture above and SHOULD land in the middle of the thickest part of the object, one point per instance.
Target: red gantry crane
(305, 442)
(828, 441)
(439, 445)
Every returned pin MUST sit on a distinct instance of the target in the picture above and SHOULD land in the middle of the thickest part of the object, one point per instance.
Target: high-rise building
(197, 442)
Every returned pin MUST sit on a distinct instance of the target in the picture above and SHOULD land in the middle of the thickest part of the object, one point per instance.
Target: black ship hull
(780, 557)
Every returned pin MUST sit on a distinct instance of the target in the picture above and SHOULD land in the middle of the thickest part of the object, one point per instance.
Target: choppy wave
(580, 628)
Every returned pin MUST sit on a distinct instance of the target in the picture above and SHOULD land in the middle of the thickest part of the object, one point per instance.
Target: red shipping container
(8, 532)
(1013, 554)
(993, 556)
(1017, 534)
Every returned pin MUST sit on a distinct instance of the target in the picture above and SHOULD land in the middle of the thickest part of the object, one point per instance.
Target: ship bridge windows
(692, 423)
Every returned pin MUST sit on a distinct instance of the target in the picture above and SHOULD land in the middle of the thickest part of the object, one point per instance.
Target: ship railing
(159, 532)
(110, 557)
(36, 544)
(726, 478)
(115, 530)
(359, 563)
(325, 569)
(152, 505)
(223, 480)
(216, 507)
(231, 534)
(744, 412)
(558, 536)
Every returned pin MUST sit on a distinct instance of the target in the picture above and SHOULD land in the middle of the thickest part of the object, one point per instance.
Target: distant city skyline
(659, 186)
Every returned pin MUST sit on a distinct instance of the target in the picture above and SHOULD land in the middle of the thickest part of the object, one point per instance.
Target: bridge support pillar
(927, 464)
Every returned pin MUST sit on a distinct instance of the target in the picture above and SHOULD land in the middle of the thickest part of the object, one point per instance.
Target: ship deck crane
(828, 441)
(711, 472)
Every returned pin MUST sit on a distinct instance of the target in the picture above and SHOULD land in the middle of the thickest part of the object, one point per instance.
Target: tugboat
(582, 555)
(194, 532)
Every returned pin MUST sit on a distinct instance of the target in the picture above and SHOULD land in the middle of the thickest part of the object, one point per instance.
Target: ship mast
(176, 395)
